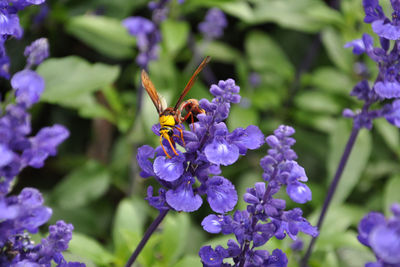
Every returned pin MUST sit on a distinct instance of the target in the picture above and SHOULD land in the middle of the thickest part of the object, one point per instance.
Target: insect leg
(165, 151)
(181, 132)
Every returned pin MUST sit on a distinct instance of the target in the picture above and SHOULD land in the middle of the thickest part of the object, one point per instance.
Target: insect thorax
(167, 120)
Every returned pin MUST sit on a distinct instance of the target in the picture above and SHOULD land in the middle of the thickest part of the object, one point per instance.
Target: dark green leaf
(318, 102)
(389, 133)
(303, 15)
(333, 44)
(331, 80)
(173, 238)
(266, 55)
(70, 82)
(128, 226)
(71, 77)
(239, 9)
(82, 186)
(89, 248)
(175, 34)
(242, 117)
(220, 51)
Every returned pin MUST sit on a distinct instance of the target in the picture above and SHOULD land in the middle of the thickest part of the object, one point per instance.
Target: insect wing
(191, 81)
(151, 90)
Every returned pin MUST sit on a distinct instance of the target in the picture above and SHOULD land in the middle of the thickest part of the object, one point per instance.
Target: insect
(170, 117)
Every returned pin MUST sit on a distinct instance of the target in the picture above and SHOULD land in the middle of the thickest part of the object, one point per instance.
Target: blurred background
(289, 59)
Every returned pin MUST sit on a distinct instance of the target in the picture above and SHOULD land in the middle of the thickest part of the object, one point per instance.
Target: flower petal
(221, 194)
(168, 169)
(183, 197)
(221, 152)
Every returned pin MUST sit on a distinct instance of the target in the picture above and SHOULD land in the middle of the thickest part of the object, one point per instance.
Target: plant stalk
(146, 237)
(331, 192)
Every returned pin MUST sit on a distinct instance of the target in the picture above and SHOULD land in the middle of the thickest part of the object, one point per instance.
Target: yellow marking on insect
(167, 120)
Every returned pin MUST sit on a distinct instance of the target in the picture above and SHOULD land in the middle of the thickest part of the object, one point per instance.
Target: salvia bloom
(207, 146)
(10, 27)
(387, 84)
(214, 24)
(23, 214)
(19, 148)
(147, 38)
(382, 236)
(265, 216)
(37, 52)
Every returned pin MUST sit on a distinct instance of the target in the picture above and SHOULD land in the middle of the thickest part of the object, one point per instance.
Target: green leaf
(220, 51)
(104, 34)
(71, 77)
(88, 247)
(173, 237)
(82, 186)
(320, 122)
(265, 55)
(333, 44)
(331, 80)
(391, 194)
(88, 107)
(355, 257)
(175, 34)
(357, 160)
(318, 102)
(239, 9)
(242, 117)
(190, 260)
(130, 217)
(389, 133)
(70, 82)
(303, 15)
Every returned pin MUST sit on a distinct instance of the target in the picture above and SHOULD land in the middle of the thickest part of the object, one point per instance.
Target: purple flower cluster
(18, 148)
(147, 38)
(147, 32)
(26, 213)
(214, 24)
(265, 216)
(382, 236)
(207, 146)
(10, 27)
(387, 56)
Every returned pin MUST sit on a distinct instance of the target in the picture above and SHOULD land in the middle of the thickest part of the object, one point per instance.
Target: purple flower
(37, 51)
(382, 236)
(209, 257)
(183, 197)
(43, 145)
(358, 46)
(265, 215)
(381, 25)
(147, 38)
(213, 223)
(221, 194)
(21, 150)
(214, 24)
(9, 24)
(393, 115)
(28, 86)
(169, 169)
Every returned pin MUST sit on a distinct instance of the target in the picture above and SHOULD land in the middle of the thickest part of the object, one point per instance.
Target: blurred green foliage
(296, 48)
